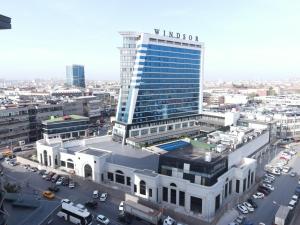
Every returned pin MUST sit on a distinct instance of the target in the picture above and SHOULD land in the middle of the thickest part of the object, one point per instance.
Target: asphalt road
(284, 187)
(32, 182)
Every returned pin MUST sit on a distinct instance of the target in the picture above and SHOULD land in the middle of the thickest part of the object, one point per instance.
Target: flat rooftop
(125, 155)
(94, 152)
(65, 119)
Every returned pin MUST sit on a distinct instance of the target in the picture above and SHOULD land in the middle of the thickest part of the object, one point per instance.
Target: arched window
(70, 164)
(142, 187)
(173, 185)
(119, 171)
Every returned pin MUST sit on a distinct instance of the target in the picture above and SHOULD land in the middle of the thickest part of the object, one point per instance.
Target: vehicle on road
(292, 204)
(95, 194)
(102, 219)
(263, 190)
(252, 202)
(242, 209)
(282, 215)
(121, 206)
(268, 181)
(65, 200)
(295, 197)
(34, 169)
(42, 172)
(270, 176)
(248, 206)
(297, 191)
(75, 215)
(169, 221)
(103, 197)
(55, 178)
(49, 176)
(48, 194)
(293, 174)
(66, 181)
(71, 184)
(240, 219)
(53, 188)
(91, 204)
(258, 195)
(286, 169)
(60, 181)
(269, 186)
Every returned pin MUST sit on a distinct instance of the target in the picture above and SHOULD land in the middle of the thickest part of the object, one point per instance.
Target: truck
(282, 215)
(143, 212)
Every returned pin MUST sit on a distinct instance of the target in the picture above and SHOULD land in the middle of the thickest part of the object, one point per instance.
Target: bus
(75, 215)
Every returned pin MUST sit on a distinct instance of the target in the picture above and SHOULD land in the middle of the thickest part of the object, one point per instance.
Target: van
(55, 178)
(95, 194)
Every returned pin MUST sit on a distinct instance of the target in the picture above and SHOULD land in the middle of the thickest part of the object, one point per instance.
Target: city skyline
(242, 41)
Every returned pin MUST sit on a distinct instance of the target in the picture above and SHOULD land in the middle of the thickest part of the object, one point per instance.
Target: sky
(257, 39)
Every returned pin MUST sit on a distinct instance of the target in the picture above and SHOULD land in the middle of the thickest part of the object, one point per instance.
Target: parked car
(44, 176)
(269, 186)
(48, 194)
(103, 197)
(242, 209)
(66, 181)
(42, 172)
(102, 219)
(263, 190)
(121, 206)
(60, 181)
(53, 188)
(34, 169)
(270, 176)
(248, 206)
(91, 204)
(240, 219)
(258, 195)
(71, 184)
(295, 197)
(252, 202)
(293, 174)
(95, 194)
(268, 181)
(55, 178)
(50, 175)
(292, 204)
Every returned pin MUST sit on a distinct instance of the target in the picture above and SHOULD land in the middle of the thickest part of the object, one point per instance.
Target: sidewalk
(228, 217)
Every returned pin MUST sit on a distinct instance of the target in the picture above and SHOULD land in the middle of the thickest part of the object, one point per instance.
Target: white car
(102, 219)
(103, 197)
(169, 221)
(295, 197)
(121, 206)
(95, 194)
(65, 200)
(270, 176)
(269, 186)
(293, 174)
(242, 209)
(258, 195)
(268, 181)
(60, 181)
(248, 206)
(292, 204)
(299, 181)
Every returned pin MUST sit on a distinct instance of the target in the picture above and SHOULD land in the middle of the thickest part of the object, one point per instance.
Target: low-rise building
(66, 127)
(189, 175)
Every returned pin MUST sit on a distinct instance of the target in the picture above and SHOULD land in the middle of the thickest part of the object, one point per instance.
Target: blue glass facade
(75, 76)
(167, 84)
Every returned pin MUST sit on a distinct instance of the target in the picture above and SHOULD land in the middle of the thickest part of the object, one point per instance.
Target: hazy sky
(257, 39)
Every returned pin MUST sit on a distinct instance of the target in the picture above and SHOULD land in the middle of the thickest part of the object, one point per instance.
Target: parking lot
(284, 188)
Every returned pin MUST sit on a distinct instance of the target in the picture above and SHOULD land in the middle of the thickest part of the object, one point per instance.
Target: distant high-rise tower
(75, 76)
(161, 84)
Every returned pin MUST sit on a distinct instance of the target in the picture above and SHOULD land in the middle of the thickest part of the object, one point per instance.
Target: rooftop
(65, 118)
(125, 155)
(94, 152)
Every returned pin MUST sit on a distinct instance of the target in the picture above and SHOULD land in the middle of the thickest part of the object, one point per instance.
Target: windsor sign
(176, 35)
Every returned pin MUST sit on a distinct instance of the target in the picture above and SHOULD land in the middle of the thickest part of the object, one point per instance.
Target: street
(32, 182)
(284, 189)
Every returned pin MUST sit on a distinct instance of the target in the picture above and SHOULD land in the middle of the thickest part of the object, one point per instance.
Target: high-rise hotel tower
(161, 86)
